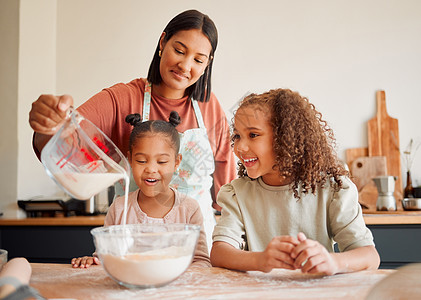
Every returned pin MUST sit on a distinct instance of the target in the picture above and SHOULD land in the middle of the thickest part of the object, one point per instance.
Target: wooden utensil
(363, 170)
(383, 140)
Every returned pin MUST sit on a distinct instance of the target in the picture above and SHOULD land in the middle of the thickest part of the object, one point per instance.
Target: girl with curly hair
(293, 199)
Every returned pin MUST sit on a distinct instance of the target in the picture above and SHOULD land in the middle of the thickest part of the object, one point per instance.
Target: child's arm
(312, 258)
(87, 261)
(276, 255)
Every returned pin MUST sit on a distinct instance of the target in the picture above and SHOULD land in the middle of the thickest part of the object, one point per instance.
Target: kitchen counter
(62, 281)
(391, 217)
(370, 217)
(59, 239)
(55, 221)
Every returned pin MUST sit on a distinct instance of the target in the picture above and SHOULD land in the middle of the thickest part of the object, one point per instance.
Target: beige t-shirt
(184, 210)
(259, 212)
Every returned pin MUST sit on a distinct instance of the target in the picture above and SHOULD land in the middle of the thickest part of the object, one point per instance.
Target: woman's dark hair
(141, 129)
(190, 19)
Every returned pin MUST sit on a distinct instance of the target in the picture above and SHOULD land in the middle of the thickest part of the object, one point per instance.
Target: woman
(179, 79)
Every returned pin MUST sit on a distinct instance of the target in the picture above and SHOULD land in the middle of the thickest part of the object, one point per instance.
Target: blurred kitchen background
(337, 53)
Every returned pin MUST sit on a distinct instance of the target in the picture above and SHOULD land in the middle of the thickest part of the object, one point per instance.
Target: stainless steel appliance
(385, 187)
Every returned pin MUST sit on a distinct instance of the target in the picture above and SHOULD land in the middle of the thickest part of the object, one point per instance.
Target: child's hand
(312, 257)
(85, 262)
(277, 254)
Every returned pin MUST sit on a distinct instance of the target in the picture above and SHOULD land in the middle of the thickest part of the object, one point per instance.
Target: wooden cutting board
(363, 170)
(352, 153)
(383, 140)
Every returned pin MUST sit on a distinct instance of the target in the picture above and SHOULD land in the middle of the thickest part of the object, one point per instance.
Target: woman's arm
(39, 141)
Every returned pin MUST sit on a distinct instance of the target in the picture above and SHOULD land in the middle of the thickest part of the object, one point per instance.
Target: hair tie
(174, 119)
(133, 119)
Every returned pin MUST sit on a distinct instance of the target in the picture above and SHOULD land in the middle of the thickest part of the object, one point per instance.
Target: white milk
(146, 268)
(126, 196)
(85, 185)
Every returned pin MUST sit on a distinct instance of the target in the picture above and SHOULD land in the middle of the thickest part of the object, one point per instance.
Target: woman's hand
(312, 257)
(47, 112)
(278, 254)
(85, 262)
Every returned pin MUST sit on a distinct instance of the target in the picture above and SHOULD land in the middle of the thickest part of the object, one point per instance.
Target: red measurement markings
(87, 155)
(101, 145)
(65, 156)
(93, 164)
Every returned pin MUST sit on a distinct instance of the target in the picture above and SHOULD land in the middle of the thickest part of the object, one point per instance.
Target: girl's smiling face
(253, 143)
(153, 161)
(184, 58)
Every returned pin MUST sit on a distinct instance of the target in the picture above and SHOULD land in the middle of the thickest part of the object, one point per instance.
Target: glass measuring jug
(81, 159)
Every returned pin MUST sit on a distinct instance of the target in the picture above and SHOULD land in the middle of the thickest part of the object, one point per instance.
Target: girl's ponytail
(174, 119)
(133, 119)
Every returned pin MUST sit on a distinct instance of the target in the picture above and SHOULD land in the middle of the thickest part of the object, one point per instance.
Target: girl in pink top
(154, 156)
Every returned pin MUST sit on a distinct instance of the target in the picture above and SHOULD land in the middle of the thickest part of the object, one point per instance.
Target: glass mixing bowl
(145, 255)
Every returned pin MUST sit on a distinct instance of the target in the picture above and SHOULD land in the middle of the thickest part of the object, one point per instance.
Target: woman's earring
(159, 53)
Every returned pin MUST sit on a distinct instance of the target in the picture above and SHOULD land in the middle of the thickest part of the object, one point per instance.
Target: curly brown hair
(303, 142)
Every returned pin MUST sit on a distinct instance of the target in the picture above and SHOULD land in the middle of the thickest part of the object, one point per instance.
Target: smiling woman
(179, 79)
(182, 64)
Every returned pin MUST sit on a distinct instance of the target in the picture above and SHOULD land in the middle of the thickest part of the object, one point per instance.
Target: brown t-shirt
(109, 108)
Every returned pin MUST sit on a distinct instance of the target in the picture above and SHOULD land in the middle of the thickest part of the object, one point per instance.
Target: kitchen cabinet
(397, 244)
(397, 236)
(57, 240)
(49, 240)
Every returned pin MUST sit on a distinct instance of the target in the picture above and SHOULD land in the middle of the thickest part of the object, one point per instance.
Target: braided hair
(141, 129)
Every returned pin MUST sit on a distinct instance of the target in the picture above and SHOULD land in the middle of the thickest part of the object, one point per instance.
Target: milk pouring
(82, 160)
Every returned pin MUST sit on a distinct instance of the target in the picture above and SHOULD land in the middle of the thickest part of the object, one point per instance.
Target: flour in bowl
(151, 268)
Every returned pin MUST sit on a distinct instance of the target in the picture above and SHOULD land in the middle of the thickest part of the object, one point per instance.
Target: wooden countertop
(55, 221)
(391, 217)
(62, 281)
(370, 217)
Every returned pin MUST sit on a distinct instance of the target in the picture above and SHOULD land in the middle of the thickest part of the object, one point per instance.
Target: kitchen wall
(9, 37)
(337, 53)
